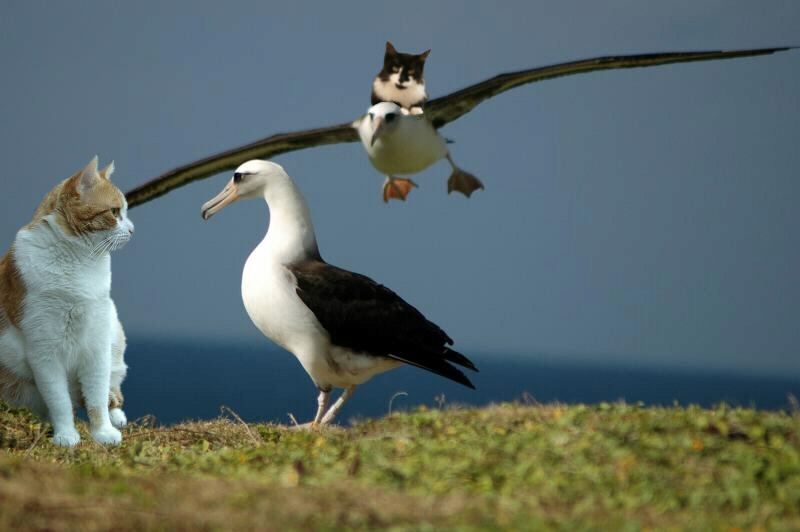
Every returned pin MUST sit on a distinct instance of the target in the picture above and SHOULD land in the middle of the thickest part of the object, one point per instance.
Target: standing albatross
(343, 327)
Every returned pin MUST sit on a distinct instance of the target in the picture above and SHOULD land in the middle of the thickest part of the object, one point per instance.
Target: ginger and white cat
(61, 343)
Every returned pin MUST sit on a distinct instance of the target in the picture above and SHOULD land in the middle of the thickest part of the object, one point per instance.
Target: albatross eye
(390, 117)
(237, 177)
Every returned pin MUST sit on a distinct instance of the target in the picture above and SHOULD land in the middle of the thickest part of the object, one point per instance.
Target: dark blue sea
(177, 380)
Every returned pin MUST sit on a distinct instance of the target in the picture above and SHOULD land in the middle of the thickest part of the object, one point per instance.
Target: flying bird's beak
(377, 127)
(228, 195)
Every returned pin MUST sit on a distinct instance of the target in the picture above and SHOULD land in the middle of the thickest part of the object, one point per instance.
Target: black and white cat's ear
(424, 56)
(106, 172)
(86, 178)
(390, 49)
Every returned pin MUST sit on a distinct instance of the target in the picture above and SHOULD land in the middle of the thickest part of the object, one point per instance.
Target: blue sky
(643, 216)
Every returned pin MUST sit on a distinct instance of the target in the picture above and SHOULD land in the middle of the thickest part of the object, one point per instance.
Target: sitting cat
(401, 80)
(61, 343)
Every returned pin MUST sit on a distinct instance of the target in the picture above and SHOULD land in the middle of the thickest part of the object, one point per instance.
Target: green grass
(610, 466)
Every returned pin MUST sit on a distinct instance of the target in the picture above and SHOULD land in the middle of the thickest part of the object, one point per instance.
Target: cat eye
(410, 71)
(395, 69)
(115, 212)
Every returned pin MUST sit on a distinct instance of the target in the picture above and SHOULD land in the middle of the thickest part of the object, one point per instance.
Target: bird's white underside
(409, 147)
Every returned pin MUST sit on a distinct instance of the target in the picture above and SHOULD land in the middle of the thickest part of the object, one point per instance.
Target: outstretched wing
(440, 111)
(448, 108)
(366, 317)
(228, 160)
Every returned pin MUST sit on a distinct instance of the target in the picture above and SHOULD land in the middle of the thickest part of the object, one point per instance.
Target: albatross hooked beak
(228, 195)
(377, 128)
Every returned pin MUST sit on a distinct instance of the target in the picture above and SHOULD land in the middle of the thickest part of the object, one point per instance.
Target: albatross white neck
(290, 235)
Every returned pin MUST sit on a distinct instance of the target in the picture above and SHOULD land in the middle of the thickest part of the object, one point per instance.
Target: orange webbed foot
(397, 188)
(463, 182)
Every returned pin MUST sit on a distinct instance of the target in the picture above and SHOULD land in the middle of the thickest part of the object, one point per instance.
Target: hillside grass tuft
(609, 466)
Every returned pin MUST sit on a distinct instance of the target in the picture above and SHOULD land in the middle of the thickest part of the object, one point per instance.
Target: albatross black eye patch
(237, 177)
(390, 117)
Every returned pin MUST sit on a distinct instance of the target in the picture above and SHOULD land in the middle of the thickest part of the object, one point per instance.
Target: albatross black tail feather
(440, 365)
(444, 369)
(457, 358)
(366, 317)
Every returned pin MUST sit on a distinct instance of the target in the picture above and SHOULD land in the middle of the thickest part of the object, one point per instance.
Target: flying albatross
(398, 142)
(343, 327)
(437, 112)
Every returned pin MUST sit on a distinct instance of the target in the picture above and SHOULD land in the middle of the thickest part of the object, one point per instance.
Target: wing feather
(440, 111)
(448, 108)
(229, 160)
(366, 317)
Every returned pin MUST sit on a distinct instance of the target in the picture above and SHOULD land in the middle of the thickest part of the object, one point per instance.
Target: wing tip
(451, 355)
(456, 375)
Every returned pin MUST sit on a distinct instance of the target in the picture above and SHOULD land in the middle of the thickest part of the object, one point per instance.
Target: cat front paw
(66, 438)
(117, 417)
(107, 435)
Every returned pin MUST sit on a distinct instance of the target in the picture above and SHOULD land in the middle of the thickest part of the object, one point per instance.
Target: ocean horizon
(176, 380)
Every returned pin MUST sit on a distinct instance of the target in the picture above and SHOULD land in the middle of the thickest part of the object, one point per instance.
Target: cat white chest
(411, 93)
(67, 300)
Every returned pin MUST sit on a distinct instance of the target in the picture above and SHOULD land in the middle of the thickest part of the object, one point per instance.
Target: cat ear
(86, 178)
(424, 56)
(106, 172)
(390, 49)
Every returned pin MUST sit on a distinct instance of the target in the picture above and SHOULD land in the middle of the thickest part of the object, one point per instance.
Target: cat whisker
(101, 243)
(96, 249)
(106, 248)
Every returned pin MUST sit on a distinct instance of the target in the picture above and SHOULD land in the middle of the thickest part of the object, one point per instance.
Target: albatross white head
(380, 121)
(250, 180)
(291, 233)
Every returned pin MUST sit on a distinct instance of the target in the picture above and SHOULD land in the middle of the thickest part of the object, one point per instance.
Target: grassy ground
(610, 466)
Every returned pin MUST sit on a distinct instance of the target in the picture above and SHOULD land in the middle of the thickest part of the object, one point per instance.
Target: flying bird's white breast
(412, 146)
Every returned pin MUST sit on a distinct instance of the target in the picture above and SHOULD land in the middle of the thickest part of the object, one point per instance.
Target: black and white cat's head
(401, 80)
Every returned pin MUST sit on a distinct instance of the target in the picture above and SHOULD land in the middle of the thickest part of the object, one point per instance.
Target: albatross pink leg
(337, 405)
(322, 406)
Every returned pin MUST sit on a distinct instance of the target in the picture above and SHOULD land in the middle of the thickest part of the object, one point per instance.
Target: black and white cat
(401, 80)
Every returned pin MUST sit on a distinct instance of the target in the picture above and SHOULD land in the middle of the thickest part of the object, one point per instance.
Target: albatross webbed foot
(397, 188)
(462, 181)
